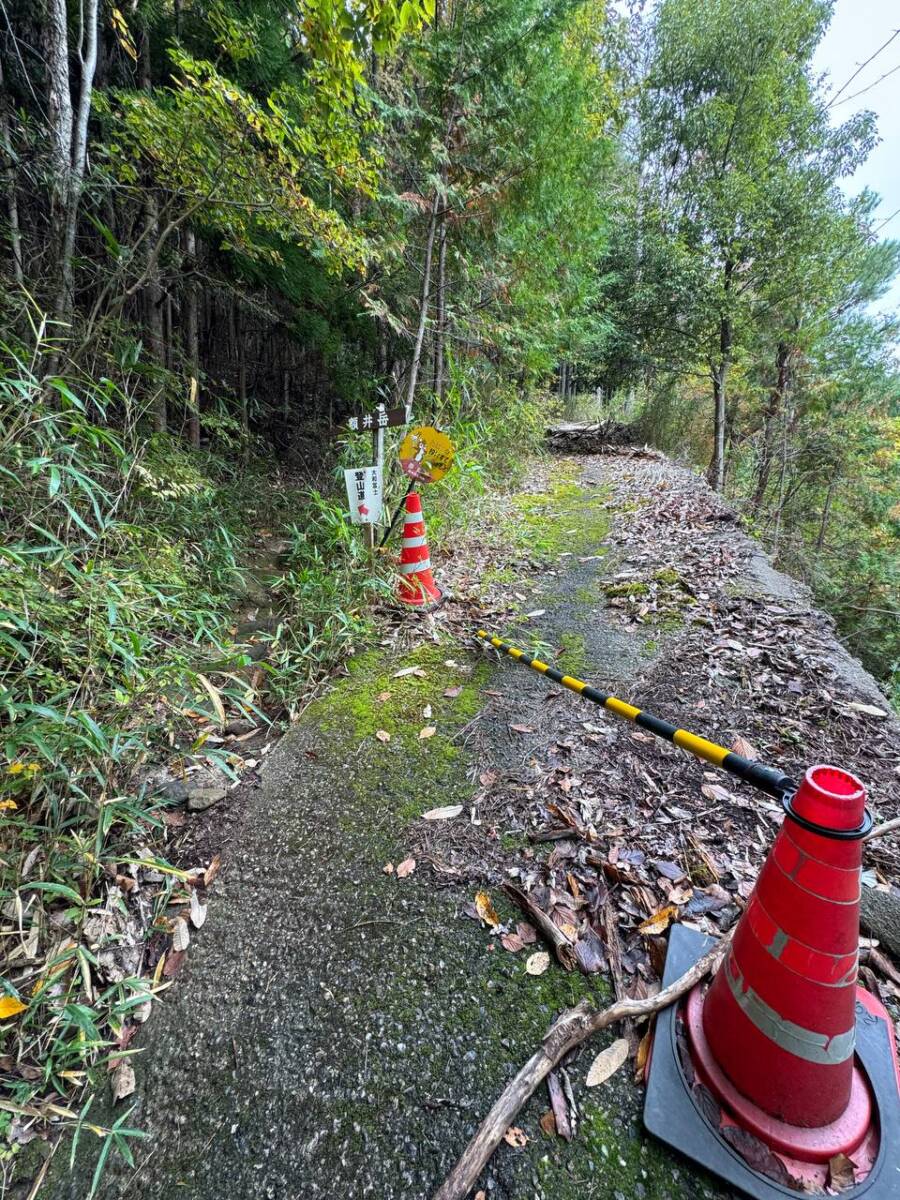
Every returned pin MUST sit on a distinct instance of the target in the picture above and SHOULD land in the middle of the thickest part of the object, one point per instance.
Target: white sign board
(364, 494)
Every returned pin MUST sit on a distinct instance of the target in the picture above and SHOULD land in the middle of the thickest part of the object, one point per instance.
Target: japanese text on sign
(364, 494)
(426, 454)
(382, 419)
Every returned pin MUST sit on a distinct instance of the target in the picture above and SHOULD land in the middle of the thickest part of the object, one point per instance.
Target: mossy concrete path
(338, 1031)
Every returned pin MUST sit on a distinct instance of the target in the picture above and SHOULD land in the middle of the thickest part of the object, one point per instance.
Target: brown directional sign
(380, 419)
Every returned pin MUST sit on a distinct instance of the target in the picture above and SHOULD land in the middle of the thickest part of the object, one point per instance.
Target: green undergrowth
(125, 561)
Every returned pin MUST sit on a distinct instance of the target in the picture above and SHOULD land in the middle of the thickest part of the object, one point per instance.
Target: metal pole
(767, 779)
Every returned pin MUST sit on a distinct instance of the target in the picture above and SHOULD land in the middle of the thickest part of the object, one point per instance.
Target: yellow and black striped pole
(767, 779)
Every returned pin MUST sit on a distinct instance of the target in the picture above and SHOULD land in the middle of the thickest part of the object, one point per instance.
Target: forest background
(226, 225)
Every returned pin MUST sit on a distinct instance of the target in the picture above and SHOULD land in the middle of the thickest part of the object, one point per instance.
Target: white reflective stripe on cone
(410, 542)
(807, 1044)
(411, 568)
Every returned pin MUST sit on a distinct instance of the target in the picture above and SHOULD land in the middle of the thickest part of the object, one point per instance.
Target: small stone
(202, 798)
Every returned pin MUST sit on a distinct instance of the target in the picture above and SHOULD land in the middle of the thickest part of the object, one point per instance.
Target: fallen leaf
(659, 922)
(746, 749)
(515, 1136)
(512, 942)
(607, 1062)
(841, 1173)
(548, 1123)
(869, 709)
(526, 932)
(643, 1053)
(172, 963)
(756, 1153)
(382, 735)
(480, 1196)
(486, 910)
(442, 814)
(522, 728)
(410, 671)
(181, 935)
(538, 612)
(538, 963)
(123, 1081)
(452, 693)
(406, 868)
(212, 870)
(388, 868)
(428, 732)
(198, 911)
(10, 1006)
(383, 697)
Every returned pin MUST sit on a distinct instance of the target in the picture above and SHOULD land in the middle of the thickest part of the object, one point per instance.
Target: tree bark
(440, 311)
(720, 367)
(772, 412)
(153, 293)
(9, 186)
(59, 102)
(826, 512)
(87, 54)
(192, 340)
(423, 301)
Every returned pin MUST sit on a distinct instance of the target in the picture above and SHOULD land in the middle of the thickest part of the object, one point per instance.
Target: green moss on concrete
(407, 775)
(610, 1157)
(572, 658)
(567, 518)
(668, 575)
(635, 587)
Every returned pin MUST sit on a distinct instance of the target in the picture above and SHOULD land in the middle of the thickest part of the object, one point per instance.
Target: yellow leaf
(10, 1006)
(7, 804)
(486, 910)
(215, 696)
(607, 1063)
(428, 732)
(659, 922)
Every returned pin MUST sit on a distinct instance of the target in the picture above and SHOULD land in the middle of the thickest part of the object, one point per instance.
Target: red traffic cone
(784, 1063)
(417, 584)
(779, 1017)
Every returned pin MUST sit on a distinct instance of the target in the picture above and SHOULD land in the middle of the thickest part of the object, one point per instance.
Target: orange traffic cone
(417, 584)
(787, 1065)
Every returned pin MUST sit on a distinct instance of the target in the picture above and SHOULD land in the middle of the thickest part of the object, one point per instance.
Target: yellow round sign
(426, 454)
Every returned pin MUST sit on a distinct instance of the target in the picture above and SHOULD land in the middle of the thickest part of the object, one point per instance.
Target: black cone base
(673, 1109)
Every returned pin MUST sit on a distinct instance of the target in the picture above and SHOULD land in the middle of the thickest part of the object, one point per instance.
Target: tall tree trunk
(826, 512)
(770, 417)
(441, 311)
(192, 339)
(423, 301)
(87, 55)
(720, 368)
(153, 293)
(9, 186)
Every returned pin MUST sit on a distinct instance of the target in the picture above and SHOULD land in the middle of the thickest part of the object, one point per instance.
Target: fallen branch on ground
(881, 830)
(572, 1028)
(562, 947)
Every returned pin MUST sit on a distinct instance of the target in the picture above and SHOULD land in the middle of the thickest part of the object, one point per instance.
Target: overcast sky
(858, 29)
